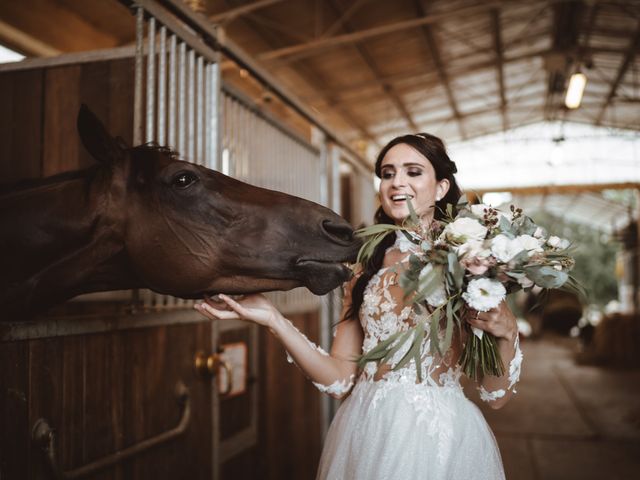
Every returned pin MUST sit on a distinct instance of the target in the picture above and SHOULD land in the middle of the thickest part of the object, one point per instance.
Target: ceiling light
(576, 88)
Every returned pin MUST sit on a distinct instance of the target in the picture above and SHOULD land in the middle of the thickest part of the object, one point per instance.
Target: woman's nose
(399, 179)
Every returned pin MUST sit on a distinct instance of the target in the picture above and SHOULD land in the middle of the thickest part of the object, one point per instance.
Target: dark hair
(433, 149)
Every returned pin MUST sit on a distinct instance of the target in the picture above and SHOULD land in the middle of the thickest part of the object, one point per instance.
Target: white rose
(531, 244)
(505, 248)
(472, 248)
(464, 229)
(483, 294)
(557, 242)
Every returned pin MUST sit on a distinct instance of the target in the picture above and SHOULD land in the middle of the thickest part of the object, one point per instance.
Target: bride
(390, 426)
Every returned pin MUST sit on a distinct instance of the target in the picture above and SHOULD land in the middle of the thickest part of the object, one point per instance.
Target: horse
(143, 218)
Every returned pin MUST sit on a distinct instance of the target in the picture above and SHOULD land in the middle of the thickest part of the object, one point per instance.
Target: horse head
(188, 230)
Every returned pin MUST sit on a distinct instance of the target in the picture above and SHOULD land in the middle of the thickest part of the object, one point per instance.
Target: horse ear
(95, 138)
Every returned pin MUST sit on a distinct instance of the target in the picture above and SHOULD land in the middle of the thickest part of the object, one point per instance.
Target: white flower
(557, 242)
(472, 248)
(464, 229)
(505, 248)
(478, 209)
(539, 233)
(438, 296)
(531, 244)
(483, 294)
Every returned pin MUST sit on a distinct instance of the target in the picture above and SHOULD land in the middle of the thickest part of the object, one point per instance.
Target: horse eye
(183, 180)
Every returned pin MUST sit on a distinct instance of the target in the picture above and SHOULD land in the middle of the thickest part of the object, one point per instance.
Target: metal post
(190, 124)
(151, 79)
(162, 80)
(137, 95)
(171, 138)
(180, 123)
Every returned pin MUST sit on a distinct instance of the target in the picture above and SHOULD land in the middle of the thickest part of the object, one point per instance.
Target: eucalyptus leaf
(546, 276)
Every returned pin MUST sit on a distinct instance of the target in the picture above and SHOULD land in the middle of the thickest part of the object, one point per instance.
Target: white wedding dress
(395, 428)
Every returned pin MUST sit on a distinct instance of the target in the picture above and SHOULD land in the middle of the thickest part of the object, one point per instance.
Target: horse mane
(154, 147)
(88, 174)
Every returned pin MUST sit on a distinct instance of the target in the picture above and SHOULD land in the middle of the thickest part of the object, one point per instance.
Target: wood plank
(290, 432)
(45, 396)
(15, 433)
(73, 428)
(21, 125)
(61, 105)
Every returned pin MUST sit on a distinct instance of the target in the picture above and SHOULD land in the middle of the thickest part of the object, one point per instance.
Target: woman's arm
(332, 373)
(501, 323)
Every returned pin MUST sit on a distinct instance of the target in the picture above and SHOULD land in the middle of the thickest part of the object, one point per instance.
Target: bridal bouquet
(473, 257)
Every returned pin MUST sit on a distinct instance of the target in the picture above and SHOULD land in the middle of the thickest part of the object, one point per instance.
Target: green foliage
(594, 253)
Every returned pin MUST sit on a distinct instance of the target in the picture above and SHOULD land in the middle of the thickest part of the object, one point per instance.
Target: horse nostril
(341, 232)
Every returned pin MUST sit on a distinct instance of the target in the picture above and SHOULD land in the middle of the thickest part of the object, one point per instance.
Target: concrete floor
(568, 421)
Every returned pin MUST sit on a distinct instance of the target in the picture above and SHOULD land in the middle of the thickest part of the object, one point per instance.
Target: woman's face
(406, 173)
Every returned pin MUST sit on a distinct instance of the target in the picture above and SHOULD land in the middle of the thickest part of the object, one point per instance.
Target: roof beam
(439, 64)
(314, 46)
(342, 19)
(232, 14)
(386, 87)
(311, 77)
(497, 41)
(628, 60)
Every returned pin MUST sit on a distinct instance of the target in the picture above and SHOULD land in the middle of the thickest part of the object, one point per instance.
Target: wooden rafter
(346, 15)
(315, 46)
(628, 60)
(497, 41)
(311, 77)
(439, 65)
(387, 88)
(233, 13)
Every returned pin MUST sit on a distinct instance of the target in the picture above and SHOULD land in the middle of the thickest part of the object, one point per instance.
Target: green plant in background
(595, 256)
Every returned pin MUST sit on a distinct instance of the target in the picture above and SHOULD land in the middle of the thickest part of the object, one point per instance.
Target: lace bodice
(384, 312)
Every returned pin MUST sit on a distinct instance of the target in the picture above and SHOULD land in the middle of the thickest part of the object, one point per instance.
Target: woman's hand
(499, 321)
(256, 308)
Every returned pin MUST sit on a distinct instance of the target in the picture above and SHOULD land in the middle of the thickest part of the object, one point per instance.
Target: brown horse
(141, 218)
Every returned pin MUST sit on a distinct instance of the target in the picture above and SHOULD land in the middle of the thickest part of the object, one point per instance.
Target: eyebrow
(410, 164)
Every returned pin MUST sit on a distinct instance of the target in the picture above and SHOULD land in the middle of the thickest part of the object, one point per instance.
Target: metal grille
(258, 150)
(177, 84)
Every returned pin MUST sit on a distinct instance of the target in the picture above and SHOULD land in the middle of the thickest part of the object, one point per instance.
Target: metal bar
(171, 137)
(137, 92)
(215, 116)
(182, 52)
(200, 124)
(168, 18)
(45, 436)
(206, 161)
(190, 125)
(162, 87)
(151, 79)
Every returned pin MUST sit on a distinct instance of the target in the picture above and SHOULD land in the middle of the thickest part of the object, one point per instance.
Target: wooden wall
(110, 389)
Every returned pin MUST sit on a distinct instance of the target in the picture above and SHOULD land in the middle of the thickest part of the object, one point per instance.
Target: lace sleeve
(341, 386)
(514, 377)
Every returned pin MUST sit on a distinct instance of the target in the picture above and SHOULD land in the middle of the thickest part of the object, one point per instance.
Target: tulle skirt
(406, 431)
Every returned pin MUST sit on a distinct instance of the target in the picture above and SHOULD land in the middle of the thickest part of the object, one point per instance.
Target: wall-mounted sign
(235, 354)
